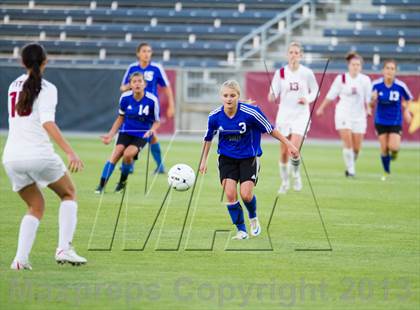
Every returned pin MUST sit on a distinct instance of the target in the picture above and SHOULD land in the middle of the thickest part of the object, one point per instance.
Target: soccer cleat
(349, 175)
(284, 187)
(99, 190)
(255, 226)
(120, 187)
(69, 256)
(159, 170)
(240, 235)
(20, 265)
(297, 184)
(385, 176)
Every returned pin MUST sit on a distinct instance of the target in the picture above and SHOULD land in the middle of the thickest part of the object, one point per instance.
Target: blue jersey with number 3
(239, 136)
(388, 111)
(139, 116)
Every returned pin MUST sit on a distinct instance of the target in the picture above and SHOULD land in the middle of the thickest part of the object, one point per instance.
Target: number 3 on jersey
(13, 101)
(243, 127)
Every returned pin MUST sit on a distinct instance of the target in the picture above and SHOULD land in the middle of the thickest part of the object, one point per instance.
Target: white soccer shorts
(40, 171)
(356, 126)
(293, 126)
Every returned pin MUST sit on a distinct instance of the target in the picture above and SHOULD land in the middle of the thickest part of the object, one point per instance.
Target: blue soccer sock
(386, 162)
(106, 173)
(251, 207)
(237, 215)
(126, 169)
(157, 156)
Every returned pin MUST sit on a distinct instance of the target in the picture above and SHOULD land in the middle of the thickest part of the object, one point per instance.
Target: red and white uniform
(355, 94)
(290, 86)
(29, 156)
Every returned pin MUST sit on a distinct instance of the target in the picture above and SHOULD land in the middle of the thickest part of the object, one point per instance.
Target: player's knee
(69, 193)
(393, 149)
(128, 157)
(231, 196)
(247, 196)
(154, 140)
(37, 210)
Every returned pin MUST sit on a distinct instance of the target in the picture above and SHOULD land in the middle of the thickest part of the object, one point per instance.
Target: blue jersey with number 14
(388, 111)
(139, 116)
(239, 136)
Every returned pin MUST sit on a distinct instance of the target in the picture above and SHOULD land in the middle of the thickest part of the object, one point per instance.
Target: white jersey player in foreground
(354, 90)
(297, 88)
(31, 163)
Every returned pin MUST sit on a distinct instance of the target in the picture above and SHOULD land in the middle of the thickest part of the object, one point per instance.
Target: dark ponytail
(33, 55)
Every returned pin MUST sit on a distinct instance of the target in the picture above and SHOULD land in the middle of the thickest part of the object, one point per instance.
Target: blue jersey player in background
(391, 96)
(240, 126)
(136, 123)
(155, 77)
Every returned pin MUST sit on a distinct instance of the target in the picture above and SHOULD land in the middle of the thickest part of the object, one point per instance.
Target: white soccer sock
(27, 233)
(348, 156)
(284, 171)
(67, 220)
(295, 164)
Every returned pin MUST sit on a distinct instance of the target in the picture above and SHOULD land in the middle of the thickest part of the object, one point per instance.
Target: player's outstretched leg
(157, 156)
(295, 164)
(348, 156)
(255, 227)
(385, 156)
(67, 221)
(27, 232)
(284, 176)
(126, 169)
(106, 174)
(28, 226)
(386, 164)
(237, 215)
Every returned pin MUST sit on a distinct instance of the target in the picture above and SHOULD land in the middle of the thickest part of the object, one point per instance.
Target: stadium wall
(257, 86)
(88, 99)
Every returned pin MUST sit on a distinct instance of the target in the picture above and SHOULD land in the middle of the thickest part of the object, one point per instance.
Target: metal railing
(282, 25)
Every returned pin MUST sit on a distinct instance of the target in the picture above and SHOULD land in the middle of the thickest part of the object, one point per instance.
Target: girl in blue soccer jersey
(155, 76)
(389, 94)
(240, 126)
(136, 123)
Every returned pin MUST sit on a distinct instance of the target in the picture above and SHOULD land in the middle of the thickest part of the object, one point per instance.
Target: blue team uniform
(240, 136)
(239, 148)
(388, 111)
(153, 74)
(139, 116)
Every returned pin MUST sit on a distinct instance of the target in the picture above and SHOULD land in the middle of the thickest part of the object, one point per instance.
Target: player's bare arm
(171, 102)
(75, 163)
(106, 139)
(152, 131)
(203, 163)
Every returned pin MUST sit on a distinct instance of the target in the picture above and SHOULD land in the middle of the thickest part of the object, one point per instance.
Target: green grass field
(373, 226)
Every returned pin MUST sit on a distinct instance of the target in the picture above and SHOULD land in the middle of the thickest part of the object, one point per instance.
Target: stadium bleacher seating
(399, 3)
(388, 18)
(192, 31)
(138, 31)
(392, 32)
(380, 34)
